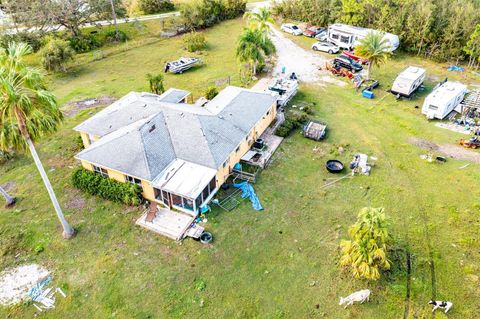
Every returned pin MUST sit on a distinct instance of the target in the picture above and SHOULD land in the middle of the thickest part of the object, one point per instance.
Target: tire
(315, 48)
(330, 52)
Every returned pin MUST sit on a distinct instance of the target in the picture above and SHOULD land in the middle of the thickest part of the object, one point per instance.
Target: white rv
(444, 99)
(346, 36)
(408, 81)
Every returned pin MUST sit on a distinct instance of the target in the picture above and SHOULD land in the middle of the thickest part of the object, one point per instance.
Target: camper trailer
(346, 37)
(445, 98)
(408, 81)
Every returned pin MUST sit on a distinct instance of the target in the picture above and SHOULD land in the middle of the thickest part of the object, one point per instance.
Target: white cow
(444, 305)
(358, 296)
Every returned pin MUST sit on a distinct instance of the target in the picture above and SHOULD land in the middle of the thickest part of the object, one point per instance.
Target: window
(133, 180)
(91, 139)
(238, 148)
(433, 107)
(335, 36)
(268, 113)
(225, 163)
(344, 39)
(100, 170)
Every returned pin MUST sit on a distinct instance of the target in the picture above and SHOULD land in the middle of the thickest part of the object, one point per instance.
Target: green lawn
(278, 263)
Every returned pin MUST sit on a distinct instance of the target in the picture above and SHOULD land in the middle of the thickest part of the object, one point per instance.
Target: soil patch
(452, 151)
(15, 283)
(76, 201)
(9, 186)
(72, 108)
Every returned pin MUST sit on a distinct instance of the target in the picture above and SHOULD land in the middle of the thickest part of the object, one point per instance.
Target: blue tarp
(249, 192)
(455, 68)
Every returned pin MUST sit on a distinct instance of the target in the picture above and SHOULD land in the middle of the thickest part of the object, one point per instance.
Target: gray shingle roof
(141, 136)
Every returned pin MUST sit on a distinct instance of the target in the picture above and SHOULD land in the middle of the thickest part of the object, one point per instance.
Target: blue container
(368, 94)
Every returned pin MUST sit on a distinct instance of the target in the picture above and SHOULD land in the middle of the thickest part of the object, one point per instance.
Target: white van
(444, 99)
(408, 81)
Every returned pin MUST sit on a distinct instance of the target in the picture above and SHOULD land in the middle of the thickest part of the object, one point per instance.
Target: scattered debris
(44, 299)
(72, 108)
(16, 283)
(360, 165)
(472, 142)
(249, 192)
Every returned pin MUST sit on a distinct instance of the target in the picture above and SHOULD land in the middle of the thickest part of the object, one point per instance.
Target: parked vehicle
(344, 62)
(347, 37)
(313, 31)
(354, 57)
(181, 65)
(408, 81)
(445, 98)
(284, 89)
(325, 47)
(322, 36)
(291, 28)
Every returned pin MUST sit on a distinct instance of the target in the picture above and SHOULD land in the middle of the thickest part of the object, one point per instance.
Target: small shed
(315, 130)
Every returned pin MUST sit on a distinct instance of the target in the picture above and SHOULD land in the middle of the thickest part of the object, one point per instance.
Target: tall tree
(114, 16)
(156, 83)
(260, 19)
(28, 111)
(375, 48)
(365, 254)
(472, 48)
(9, 200)
(253, 47)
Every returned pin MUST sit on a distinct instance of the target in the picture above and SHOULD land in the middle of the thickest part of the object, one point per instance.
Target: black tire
(314, 48)
(330, 52)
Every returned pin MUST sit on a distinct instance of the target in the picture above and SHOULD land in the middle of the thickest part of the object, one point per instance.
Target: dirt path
(304, 63)
(453, 151)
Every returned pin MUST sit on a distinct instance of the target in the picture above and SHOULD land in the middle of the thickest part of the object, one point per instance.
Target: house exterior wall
(86, 139)
(148, 192)
(262, 125)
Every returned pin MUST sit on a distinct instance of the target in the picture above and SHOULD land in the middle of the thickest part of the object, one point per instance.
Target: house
(347, 37)
(179, 153)
(444, 99)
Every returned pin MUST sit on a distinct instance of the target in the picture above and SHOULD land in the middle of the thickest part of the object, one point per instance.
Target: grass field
(278, 263)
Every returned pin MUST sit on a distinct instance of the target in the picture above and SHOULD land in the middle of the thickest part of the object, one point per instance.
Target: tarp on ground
(249, 192)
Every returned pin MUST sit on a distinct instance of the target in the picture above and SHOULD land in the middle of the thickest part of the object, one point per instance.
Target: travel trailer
(408, 81)
(445, 98)
(346, 37)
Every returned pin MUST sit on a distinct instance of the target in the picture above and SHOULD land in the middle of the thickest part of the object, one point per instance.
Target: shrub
(32, 38)
(155, 6)
(95, 184)
(111, 36)
(84, 43)
(156, 83)
(294, 120)
(194, 41)
(55, 54)
(205, 13)
(211, 92)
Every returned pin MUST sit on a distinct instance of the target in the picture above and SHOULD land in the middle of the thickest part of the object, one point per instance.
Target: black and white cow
(444, 305)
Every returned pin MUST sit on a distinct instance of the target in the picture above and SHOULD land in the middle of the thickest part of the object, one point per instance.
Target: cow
(358, 296)
(444, 305)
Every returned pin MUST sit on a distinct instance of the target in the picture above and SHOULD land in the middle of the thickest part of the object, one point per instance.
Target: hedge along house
(179, 153)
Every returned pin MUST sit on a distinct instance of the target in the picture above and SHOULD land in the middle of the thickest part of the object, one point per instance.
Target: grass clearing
(278, 263)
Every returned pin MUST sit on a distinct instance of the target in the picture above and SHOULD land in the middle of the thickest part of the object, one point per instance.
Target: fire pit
(334, 166)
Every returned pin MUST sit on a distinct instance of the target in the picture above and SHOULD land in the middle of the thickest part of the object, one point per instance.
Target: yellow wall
(86, 140)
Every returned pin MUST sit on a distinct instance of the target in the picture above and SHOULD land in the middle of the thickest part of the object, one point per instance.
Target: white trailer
(445, 98)
(408, 81)
(347, 37)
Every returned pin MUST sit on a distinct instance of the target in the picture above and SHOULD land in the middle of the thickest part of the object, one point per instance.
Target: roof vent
(151, 129)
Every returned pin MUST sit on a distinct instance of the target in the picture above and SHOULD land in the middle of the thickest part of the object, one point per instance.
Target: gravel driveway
(306, 64)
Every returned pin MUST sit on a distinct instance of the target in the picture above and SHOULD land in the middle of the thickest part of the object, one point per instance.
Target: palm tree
(9, 200)
(375, 48)
(114, 15)
(259, 19)
(156, 83)
(366, 253)
(253, 48)
(28, 111)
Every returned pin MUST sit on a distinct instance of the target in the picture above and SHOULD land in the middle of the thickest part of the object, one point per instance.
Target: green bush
(55, 54)
(294, 120)
(155, 6)
(211, 92)
(200, 14)
(194, 41)
(84, 43)
(107, 188)
(111, 36)
(31, 38)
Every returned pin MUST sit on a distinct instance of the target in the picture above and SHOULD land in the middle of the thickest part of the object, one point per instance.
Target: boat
(181, 65)
(284, 89)
(354, 57)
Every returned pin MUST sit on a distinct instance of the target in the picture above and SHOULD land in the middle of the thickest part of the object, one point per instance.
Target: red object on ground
(352, 56)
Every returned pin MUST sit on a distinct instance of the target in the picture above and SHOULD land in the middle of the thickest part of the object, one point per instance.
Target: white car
(322, 36)
(325, 47)
(291, 28)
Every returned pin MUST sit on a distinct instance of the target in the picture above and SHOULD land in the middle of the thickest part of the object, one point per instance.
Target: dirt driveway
(306, 64)
(452, 151)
